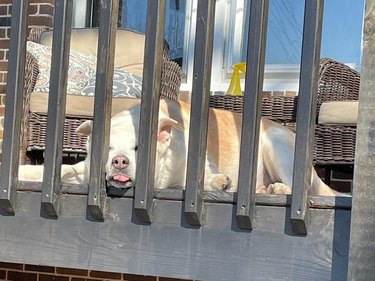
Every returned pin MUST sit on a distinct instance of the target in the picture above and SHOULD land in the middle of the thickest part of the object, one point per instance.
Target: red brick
(3, 274)
(46, 10)
(3, 10)
(45, 277)
(106, 275)
(3, 77)
(133, 277)
(72, 271)
(2, 99)
(4, 44)
(84, 279)
(2, 55)
(8, 265)
(21, 276)
(43, 1)
(39, 268)
(33, 9)
(3, 88)
(40, 21)
(3, 32)
(170, 279)
(3, 66)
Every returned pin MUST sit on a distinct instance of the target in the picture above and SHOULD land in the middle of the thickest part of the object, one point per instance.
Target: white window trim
(228, 41)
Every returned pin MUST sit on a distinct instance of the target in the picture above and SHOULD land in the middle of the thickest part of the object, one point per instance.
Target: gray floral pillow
(81, 68)
(125, 84)
(81, 74)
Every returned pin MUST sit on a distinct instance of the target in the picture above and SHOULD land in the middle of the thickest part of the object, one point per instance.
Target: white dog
(275, 158)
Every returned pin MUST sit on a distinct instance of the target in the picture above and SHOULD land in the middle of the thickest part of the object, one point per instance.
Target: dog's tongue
(121, 178)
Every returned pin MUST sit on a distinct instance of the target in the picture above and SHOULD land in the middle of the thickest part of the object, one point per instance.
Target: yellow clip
(235, 81)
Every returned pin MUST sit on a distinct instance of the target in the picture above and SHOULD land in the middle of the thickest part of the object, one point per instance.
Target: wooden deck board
(169, 247)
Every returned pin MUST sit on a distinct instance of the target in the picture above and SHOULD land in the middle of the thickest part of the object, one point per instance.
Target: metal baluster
(143, 197)
(14, 99)
(56, 107)
(199, 111)
(102, 107)
(251, 113)
(308, 90)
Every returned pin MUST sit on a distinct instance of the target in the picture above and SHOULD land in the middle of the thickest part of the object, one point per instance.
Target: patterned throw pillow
(81, 68)
(125, 84)
(81, 74)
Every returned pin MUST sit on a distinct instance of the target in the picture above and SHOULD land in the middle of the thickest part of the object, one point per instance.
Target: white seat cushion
(338, 112)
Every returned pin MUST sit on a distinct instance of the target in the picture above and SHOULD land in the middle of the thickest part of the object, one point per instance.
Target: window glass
(133, 16)
(341, 35)
(342, 30)
(284, 37)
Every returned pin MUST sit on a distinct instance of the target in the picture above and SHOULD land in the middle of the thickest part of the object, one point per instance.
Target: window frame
(228, 40)
(229, 19)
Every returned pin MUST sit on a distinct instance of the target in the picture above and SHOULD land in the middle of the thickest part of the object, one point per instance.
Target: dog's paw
(218, 182)
(261, 189)
(279, 188)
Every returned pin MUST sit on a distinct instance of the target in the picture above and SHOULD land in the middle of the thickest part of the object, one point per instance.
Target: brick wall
(27, 272)
(40, 14)
(5, 11)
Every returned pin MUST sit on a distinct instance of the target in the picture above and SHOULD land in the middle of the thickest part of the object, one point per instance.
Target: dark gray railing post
(56, 106)
(308, 90)
(251, 113)
(102, 107)
(143, 197)
(362, 227)
(13, 102)
(199, 111)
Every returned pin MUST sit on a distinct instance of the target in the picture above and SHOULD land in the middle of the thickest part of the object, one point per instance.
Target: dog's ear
(85, 129)
(165, 127)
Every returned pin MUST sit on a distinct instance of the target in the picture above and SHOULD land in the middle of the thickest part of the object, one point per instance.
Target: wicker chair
(34, 123)
(334, 144)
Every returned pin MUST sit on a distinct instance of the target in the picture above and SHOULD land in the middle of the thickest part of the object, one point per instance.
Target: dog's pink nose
(120, 161)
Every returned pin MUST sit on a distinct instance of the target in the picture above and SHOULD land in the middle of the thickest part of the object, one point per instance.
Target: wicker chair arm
(170, 80)
(31, 74)
(170, 76)
(337, 81)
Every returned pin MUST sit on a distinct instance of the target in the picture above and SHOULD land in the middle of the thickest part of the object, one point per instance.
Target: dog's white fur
(275, 158)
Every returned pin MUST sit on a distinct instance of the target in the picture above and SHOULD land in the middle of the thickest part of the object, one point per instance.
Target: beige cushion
(129, 46)
(338, 112)
(79, 106)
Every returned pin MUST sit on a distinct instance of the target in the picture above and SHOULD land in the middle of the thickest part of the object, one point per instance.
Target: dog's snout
(120, 161)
